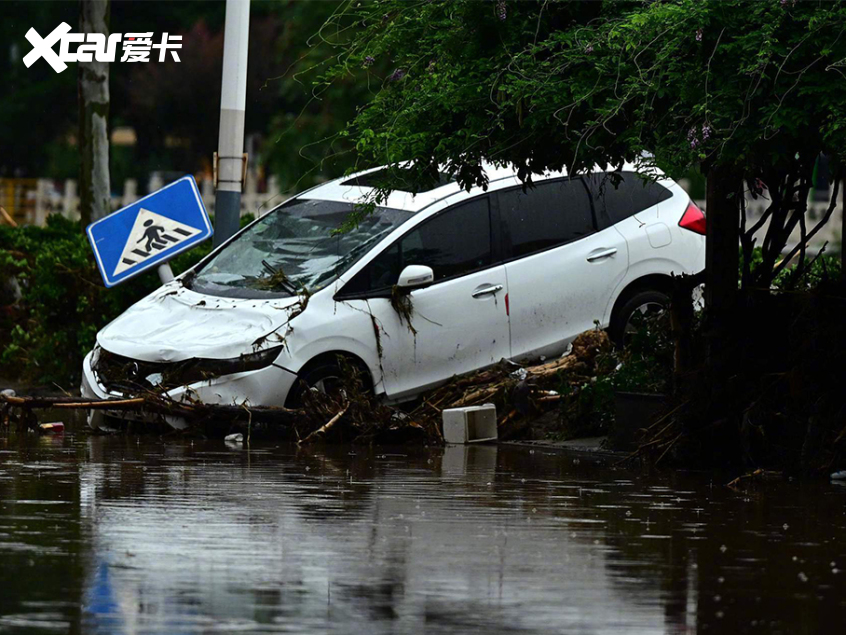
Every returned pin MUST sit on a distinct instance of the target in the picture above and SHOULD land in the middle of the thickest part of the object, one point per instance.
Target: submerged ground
(141, 535)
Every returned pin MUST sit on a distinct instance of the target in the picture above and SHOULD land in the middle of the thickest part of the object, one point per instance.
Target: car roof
(349, 189)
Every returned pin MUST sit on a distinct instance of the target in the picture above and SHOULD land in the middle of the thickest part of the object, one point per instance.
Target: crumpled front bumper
(267, 386)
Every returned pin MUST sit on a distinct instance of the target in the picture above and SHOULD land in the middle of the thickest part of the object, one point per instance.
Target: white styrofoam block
(471, 424)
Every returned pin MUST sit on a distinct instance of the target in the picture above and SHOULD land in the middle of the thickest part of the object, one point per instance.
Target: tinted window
(615, 201)
(546, 215)
(452, 243)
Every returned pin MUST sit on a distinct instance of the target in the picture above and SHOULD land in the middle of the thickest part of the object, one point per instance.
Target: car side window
(546, 215)
(618, 196)
(453, 243)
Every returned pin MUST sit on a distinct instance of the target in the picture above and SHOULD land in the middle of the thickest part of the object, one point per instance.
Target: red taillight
(693, 219)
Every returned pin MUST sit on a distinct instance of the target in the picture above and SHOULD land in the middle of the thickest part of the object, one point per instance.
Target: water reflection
(121, 535)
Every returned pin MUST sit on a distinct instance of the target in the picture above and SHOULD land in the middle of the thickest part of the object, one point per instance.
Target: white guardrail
(30, 201)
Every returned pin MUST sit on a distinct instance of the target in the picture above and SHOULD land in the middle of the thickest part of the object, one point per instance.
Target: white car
(487, 275)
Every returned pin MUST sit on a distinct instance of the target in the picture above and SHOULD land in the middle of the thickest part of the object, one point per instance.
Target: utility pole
(233, 98)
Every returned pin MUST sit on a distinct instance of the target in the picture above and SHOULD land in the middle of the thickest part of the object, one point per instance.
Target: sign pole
(165, 273)
(233, 98)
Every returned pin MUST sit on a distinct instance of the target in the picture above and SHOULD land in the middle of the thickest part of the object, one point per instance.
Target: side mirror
(414, 276)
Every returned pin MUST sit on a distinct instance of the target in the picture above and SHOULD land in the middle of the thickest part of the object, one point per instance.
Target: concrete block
(472, 424)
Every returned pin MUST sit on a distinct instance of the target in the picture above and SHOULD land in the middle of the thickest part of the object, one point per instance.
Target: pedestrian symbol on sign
(150, 234)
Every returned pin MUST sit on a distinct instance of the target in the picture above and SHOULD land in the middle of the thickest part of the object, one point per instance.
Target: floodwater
(141, 535)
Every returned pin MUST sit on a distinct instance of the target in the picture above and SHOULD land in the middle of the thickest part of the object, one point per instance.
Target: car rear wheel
(640, 306)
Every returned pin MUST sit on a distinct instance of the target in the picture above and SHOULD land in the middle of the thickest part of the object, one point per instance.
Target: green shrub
(645, 366)
(819, 270)
(45, 334)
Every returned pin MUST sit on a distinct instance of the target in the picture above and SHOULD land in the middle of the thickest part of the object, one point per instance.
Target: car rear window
(619, 195)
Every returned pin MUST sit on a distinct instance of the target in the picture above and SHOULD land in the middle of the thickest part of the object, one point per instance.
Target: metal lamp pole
(233, 97)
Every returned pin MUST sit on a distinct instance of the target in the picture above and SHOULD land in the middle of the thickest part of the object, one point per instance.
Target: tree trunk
(94, 187)
(722, 244)
(721, 292)
(843, 236)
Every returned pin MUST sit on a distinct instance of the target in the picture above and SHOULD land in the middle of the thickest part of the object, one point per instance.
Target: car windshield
(293, 247)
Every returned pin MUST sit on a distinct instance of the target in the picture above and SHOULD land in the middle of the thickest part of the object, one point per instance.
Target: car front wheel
(328, 377)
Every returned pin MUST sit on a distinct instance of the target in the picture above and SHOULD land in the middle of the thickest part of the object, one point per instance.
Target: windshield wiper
(278, 278)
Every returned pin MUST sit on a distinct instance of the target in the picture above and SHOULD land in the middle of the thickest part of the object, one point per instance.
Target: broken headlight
(116, 372)
(241, 364)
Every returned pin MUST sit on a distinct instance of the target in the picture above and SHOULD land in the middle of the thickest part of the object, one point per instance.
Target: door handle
(607, 253)
(493, 288)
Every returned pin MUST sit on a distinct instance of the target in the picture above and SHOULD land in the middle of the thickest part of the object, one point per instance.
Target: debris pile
(353, 414)
(520, 393)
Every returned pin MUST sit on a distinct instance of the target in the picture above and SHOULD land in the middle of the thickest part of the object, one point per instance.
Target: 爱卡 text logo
(137, 47)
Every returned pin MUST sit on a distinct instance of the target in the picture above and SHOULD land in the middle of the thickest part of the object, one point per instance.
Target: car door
(457, 324)
(561, 270)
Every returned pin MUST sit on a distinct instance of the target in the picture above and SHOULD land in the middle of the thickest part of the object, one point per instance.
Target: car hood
(174, 323)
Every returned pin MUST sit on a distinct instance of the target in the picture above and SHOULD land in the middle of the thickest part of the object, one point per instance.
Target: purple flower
(368, 61)
(699, 35)
(589, 48)
(396, 75)
(694, 135)
(691, 136)
(500, 10)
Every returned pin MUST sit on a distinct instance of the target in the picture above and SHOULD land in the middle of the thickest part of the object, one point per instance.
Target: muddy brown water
(138, 535)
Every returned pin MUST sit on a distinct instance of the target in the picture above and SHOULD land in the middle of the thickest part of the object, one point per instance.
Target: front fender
(319, 330)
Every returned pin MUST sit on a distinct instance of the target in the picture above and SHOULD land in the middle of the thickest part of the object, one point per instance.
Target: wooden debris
(759, 474)
(504, 385)
(152, 404)
(322, 430)
(355, 415)
(75, 403)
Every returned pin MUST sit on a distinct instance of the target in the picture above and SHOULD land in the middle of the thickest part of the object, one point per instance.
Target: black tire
(324, 375)
(643, 301)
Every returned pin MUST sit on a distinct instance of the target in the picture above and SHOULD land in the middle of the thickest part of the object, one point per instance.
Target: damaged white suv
(427, 287)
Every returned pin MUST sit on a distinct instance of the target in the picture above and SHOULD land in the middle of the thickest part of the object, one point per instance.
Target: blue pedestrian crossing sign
(149, 232)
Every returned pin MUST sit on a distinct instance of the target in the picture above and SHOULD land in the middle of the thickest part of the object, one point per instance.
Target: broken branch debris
(354, 413)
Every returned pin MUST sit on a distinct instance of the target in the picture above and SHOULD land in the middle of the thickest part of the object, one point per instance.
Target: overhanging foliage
(563, 83)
